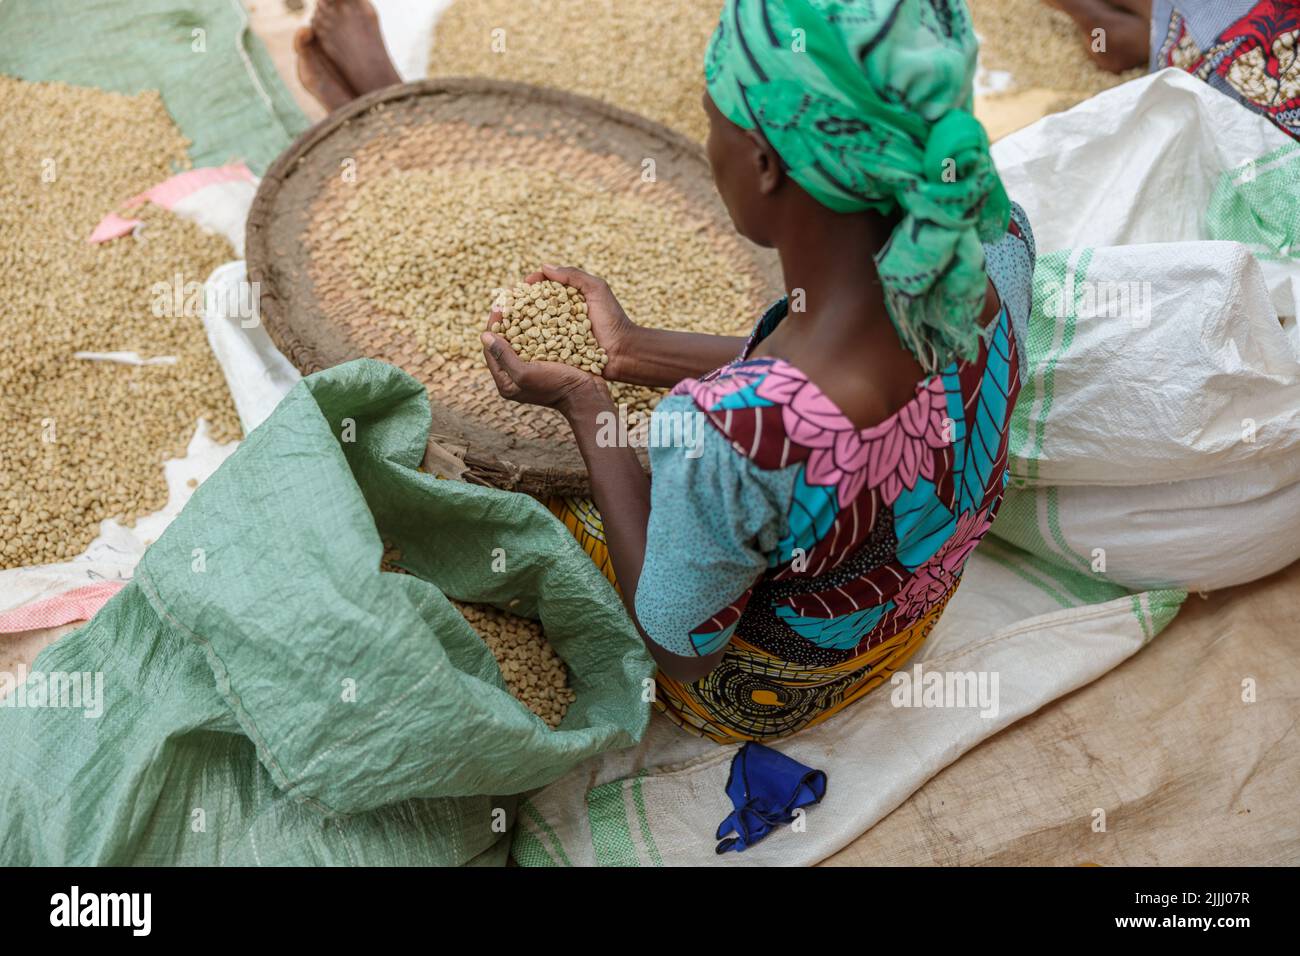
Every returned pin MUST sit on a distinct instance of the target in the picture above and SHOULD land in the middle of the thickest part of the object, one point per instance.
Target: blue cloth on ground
(766, 787)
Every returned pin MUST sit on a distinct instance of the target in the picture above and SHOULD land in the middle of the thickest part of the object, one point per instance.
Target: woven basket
(317, 319)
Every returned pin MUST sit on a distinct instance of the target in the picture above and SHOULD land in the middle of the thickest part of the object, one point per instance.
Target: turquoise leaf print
(707, 643)
(746, 397)
(921, 524)
(952, 391)
(841, 633)
(812, 515)
(976, 453)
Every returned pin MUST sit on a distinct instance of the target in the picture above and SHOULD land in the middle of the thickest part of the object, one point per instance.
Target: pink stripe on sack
(168, 193)
(79, 604)
(112, 226)
(171, 191)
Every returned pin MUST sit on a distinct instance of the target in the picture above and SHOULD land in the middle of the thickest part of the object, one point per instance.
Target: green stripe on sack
(1164, 604)
(559, 857)
(527, 851)
(647, 837)
(1155, 609)
(1068, 587)
(1018, 529)
(1258, 205)
(1051, 332)
(611, 837)
(1054, 527)
(996, 551)
(1139, 612)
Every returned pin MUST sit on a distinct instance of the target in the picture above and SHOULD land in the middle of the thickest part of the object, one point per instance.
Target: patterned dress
(1247, 49)
(820, 555)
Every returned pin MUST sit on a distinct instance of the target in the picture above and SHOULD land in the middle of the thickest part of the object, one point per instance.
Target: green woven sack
(264, 678)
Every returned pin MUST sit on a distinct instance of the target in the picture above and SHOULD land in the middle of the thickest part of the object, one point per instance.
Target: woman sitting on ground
(855, 447)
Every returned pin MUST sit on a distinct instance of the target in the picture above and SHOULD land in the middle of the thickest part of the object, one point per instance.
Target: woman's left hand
(551, 384)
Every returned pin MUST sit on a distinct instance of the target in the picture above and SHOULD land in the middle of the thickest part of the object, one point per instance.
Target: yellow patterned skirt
(752, 695)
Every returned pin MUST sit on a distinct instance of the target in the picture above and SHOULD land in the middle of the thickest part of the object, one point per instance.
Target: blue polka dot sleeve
(714, 519)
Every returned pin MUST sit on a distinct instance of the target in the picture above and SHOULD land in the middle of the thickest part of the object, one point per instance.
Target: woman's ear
(767, 164)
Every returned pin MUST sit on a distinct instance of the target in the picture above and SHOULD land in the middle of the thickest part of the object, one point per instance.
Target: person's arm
(619, 485)
(660, 358)
(638, 355)
(621, 490)
(1116, 33)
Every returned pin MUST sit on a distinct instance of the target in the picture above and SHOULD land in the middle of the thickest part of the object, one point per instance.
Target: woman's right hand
(614, 331)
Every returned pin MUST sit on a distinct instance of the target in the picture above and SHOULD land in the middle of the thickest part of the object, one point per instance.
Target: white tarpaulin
(1157, 436)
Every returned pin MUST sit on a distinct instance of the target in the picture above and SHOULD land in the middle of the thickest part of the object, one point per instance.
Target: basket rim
(278, 171)
(481, 467)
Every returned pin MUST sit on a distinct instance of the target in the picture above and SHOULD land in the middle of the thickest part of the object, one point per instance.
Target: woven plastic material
(317, 319)
(215, 77)
(270, 696)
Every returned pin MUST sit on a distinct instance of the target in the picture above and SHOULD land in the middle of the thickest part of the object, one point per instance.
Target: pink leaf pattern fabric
(849, 541)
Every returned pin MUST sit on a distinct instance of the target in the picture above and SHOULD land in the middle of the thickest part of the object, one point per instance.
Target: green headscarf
(868, 102)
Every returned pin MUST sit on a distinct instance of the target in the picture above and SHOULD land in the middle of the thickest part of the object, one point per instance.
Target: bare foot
(348, 32)
(318, 74)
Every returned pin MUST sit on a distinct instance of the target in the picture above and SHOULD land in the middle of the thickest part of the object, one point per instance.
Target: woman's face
(736, 160)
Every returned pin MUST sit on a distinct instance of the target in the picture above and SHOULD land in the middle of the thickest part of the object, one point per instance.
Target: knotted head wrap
(867, 102)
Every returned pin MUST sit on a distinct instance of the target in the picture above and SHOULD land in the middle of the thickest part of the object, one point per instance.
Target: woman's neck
(836, 299)
(838, 331)
(830, 257)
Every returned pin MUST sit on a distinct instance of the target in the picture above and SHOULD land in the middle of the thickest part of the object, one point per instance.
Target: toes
(318, 73)
(311, 62)
(305, 47)
(367, 9)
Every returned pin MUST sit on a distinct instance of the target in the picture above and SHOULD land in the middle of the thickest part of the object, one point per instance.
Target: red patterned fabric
(1253, 59)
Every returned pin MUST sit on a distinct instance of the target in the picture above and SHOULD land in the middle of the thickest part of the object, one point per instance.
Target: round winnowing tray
(318, 319)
